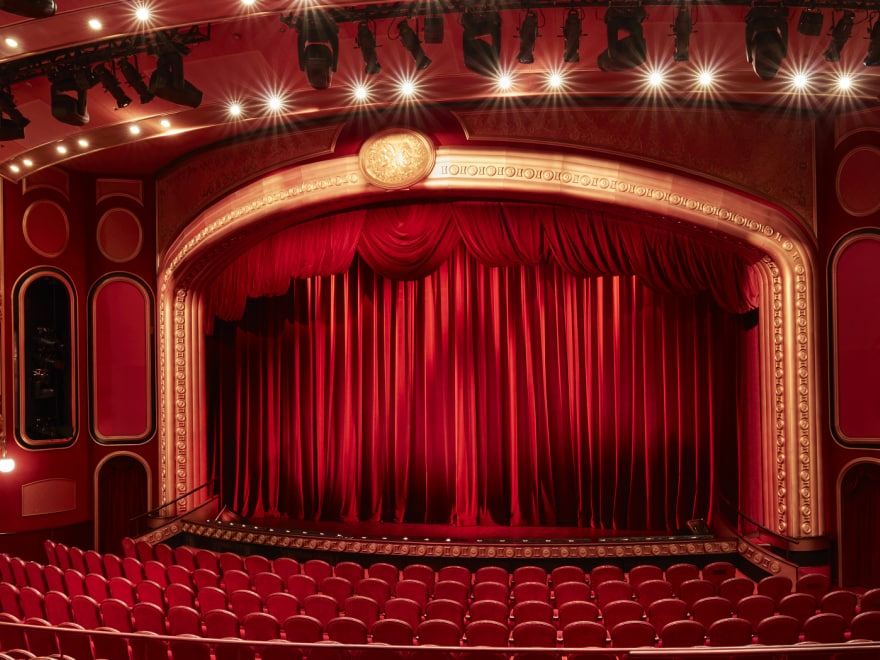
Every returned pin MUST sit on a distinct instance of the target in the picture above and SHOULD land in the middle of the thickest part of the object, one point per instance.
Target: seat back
(730, 632)
(486, 632)
(579, 634)
(633, 634)
(347, 630)
(779, 629)
(718, 571)
(184, 620)
(577, 610)
(666, 610)
(148, 617)
(825, 628)
(642, 573)
(439, 632)
(392, 631)
(362, 608)
(282, 605)
(683, 633)
(621, 610)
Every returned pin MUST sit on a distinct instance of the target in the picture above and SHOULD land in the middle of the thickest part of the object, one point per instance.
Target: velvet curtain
(462, 369)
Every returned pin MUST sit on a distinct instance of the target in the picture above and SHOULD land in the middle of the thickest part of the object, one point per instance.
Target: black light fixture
(481, 55)
(318, 48)
(810, 23)
(168, 82)
(12, 126)
(626, 40)
(571, 32)
(840, 33)
(29, 8)
(366, 41)
(109, 82)
(682, 28)
(766, 39)
(873, 56)
(528, 35)
(134, 80)
(410, 41)
(69, 109)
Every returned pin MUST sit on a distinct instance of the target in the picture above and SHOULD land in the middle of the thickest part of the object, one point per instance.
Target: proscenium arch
(788, 362)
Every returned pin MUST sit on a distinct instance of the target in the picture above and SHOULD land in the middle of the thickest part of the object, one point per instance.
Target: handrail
(740, 514)
(641, 652)
(155, 510)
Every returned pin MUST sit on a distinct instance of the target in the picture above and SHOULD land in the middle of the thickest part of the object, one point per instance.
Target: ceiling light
(234, 109)
(168, 82)
(766, 39)
(275, 103)
(366, 41)
(111, 85)
(800, 81)
(95, 24)
(810, 23)
(134, 129)
(873, 56)
(12, 126)
(844, 83)
(27, 162)
(504, 82)
(623, 52)
(705, 78)
(407, 88)
(164, 123)
(361, 93)
(142, 13)
(248, 3)
(682, 29)
(840, 33)
(554, 81)
(318, 47)
(61, 149)
(68, 109)
(571, 32)
(82, 142)
(528, 35)
(134, 80)
(482, 55)
(30, 8)
(11, 42)
(410, 41)
(15, 169)
(655, 78)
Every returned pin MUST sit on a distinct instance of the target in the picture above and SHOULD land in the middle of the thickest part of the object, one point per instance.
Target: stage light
(109, 82)
(481, 55)
(13, 127)
(682, 28)
(873, 56)
(134, 80)
(840, 33)
(766, 39)
(571, 32)
(432, 29)
(318, 47)
(528, 35)
(72, 110)
(810, 23)
(168, 82)
(410, 41)
(625, 52)
(29, 8)
(366, 41)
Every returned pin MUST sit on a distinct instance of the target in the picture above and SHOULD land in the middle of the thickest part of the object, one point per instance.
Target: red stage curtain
(478, 394)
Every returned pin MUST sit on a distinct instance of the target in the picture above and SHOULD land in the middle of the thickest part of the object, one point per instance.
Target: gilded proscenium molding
(789, 363)
(452, 549)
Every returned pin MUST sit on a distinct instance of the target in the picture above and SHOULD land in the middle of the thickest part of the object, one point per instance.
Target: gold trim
(396, 158)
(788, 356)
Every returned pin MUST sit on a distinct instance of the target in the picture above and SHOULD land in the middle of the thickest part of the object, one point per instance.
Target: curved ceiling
(250, 53)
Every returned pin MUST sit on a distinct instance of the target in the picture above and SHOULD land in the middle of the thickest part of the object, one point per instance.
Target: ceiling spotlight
(810, 23)
(68, 109)
(234, 109)
(766, 39)
(840, 32)
(410, 41)
(528, 35)
(481, 55)
(873, 56)
(366, 41)
(11, 126)
(318, 47)
(571, 32)
(682, 28)
(844, 83)
(109, 82)
(628, 51)
(705, 78)
(134, 80)
(29, 8)
(555, 80)
(432, 29)
(168, 82)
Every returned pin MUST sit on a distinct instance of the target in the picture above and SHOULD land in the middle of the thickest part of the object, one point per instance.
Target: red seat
(148, 591)
(282, 605)
(621, 610)
(321, 606)
(492, 574)
(404, 609)
(413, 589)
(666, 610)
(569, 591)
(73, 641)
(362, 608)
(611, 590)
(184, 620)
(143, 550)
(112, 566)
(577, 610)
(375, 588)
(77, 559)
(34, 573)
(455, 573)
(632, 634)
(730, 632)
(486, 632)
(148, 617)
(336, 587)
(604, 573)
(539, 634)
(208, 559)
(234, 581)
(755, 608)
(392, 631)
(649, 591)
(816, 584)
(567, 573)
(779, 629)
(266, 583)
(57, 606)
(581, 634)
(682, 634)
(121, 588)
(31, 603)
(642, 573)
(420, 572)
(54, 578)
(245, 601)
(438, 632)
(347, 630)
(303, 628)
(866, 625)
(205, 577)
(179, 594)
(531, 591)
(211, 598)
(317, 569)
(48, 548)
(221, 623)
(11, 638)
(489, 610)
(230, 561)
(301, 586)
(452, 590)
(86, 612)
(680, 573)
(10, 599)
(718, 571)
(40, 641)
(133, 569)
(74, 582)
(690, 591)
(825, 628)
(384, 571)
(190, 647)
(350, 570)
(180, 575)
(260, 626)
(870, 600)
(491, 591)
(155, 570)
(799, 605)
(116, 614)
(528, 574)
(532, 610)
(446, 609)
(709, 610)
(254, 564)
(285, 567)
(840, 602)
(164, 554)
(184, 556)
(735, 589)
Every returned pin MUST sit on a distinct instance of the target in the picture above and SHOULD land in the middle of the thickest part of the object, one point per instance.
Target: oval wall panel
(857, 191)
(120, 235)
(46, 229)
